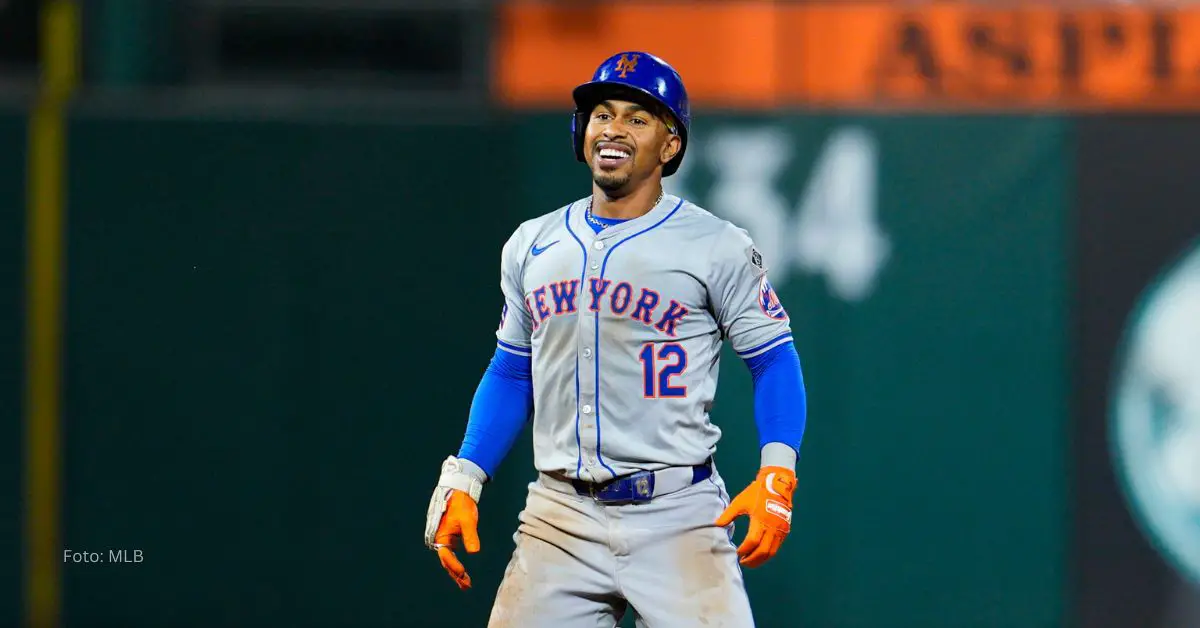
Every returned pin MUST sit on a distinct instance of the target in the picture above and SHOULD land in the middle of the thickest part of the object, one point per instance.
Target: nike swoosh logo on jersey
(536, 251)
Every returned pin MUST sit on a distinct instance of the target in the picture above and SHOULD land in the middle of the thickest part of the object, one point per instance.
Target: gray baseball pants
(579, 563)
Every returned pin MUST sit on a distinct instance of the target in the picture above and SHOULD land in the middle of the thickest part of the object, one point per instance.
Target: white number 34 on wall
(834, 231)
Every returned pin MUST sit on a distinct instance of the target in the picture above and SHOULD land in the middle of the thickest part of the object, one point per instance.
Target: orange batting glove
(453, 513)
(768, 502)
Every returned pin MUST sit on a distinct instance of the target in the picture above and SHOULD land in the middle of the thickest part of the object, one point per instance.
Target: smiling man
(615, 310)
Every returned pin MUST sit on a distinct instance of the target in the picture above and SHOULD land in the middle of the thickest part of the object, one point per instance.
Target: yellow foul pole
(60, 39)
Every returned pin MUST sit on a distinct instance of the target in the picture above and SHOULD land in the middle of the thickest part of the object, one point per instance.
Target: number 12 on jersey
(658, 369)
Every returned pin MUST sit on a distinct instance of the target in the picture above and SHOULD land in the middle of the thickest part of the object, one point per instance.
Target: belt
(643, 486)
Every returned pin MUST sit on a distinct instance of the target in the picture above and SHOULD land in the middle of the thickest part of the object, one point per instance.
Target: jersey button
(595, 266)
(598, 244)
(586, 409)
(587, 353)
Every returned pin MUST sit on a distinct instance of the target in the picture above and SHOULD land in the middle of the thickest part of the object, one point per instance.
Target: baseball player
(615, 310)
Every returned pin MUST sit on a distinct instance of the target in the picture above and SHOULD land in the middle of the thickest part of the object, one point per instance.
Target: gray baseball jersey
(625, 329)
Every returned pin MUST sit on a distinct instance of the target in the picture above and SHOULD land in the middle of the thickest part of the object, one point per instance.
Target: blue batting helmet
(638, 76)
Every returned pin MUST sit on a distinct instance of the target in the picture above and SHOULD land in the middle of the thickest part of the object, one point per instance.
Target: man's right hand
(459, 521)
(454, 513)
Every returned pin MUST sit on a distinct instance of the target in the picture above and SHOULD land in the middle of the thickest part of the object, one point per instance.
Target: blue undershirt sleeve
(780, 406)
(503, 403)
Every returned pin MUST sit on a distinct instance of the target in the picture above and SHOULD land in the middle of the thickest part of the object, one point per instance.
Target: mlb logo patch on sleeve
(756, 259)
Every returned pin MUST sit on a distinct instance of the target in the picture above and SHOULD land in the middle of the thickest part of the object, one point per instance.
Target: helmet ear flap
(578, 126)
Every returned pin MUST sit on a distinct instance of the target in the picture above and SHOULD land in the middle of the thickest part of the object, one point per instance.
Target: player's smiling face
(625, 144)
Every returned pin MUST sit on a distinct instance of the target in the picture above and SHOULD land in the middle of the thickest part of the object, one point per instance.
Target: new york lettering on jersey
(624, 335)
(563, 300)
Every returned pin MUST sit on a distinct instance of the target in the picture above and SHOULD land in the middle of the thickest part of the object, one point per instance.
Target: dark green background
(275, 329)
(12, 352)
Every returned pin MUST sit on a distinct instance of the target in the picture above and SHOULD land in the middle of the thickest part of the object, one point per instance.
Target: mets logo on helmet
(769, 301)
(626, 65)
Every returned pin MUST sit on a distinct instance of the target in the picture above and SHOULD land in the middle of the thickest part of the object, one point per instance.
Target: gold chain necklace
(587, 214)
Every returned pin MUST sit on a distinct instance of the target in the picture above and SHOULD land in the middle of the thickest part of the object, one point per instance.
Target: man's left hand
(768, 503)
